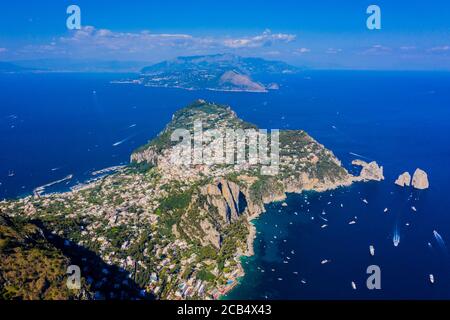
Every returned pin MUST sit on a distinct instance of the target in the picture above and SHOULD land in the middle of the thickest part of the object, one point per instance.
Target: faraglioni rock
(404, 180)
(370, 171)
(420, 180)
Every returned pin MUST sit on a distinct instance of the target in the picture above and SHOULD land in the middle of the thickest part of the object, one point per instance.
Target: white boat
(431, 278)
(386, 210)
(372, 250)
(352, 222)
(324, 226)
(303, 281)
(365, 201)
(325, 261)
(353, 285)
(414, 209)
(11, 173)
(396, 239)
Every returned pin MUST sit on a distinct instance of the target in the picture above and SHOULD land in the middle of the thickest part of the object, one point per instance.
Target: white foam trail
(439, 240)
(358, 155)
(118, 143)
(396, 238)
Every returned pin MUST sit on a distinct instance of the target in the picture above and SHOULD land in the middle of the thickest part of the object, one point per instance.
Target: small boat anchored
(372, 250)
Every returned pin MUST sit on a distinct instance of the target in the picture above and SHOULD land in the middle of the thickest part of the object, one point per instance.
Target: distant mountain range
(64, 65)
(6, 67)
(221, 72)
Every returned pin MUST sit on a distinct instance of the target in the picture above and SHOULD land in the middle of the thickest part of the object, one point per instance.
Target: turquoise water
(52, 125)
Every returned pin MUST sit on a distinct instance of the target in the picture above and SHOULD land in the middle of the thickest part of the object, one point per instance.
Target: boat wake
(440, 241)
(359, 155)
(118, 143)
(396, 238)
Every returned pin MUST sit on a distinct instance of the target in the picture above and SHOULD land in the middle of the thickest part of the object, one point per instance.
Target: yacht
(372, 250)
(353, 285)
(431, 278)
(396, 239)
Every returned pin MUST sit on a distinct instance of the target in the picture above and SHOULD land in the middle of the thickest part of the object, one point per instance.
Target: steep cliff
(178, 228)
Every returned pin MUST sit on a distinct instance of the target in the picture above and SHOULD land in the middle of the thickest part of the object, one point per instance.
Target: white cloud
(302, 50)
(266, 39)
(92, 42)
(377, 49)
(440, 49)
(408, 48)
(333, 50)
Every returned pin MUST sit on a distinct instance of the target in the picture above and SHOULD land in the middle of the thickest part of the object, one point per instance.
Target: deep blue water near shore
(57, 121)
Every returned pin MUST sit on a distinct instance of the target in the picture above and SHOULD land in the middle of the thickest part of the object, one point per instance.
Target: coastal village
(179, 232)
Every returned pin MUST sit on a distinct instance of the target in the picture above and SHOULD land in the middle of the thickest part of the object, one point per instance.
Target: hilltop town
(158, 230)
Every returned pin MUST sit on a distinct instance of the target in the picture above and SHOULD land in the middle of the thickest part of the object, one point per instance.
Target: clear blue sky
(322, 34)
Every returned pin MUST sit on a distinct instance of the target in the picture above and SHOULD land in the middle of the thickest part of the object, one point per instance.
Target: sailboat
(11, 173)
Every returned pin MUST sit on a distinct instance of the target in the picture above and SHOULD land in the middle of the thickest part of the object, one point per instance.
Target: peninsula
(154, 229)
(220, 72)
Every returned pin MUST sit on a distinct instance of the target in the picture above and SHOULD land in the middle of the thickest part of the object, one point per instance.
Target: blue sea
(53, 125)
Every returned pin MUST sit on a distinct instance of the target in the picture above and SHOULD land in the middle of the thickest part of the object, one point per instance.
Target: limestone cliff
(404, 180)
(370, 171)
(420, 180)
(186, 222)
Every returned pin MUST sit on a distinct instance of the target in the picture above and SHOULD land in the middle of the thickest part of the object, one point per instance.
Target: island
(156, 230)
(220, 72)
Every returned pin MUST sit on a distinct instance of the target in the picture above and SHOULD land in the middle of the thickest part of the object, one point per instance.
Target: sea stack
(420, 180)
(404, 180)
(370, 171)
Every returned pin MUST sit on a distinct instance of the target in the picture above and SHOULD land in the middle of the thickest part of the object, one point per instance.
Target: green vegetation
(30, 267)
